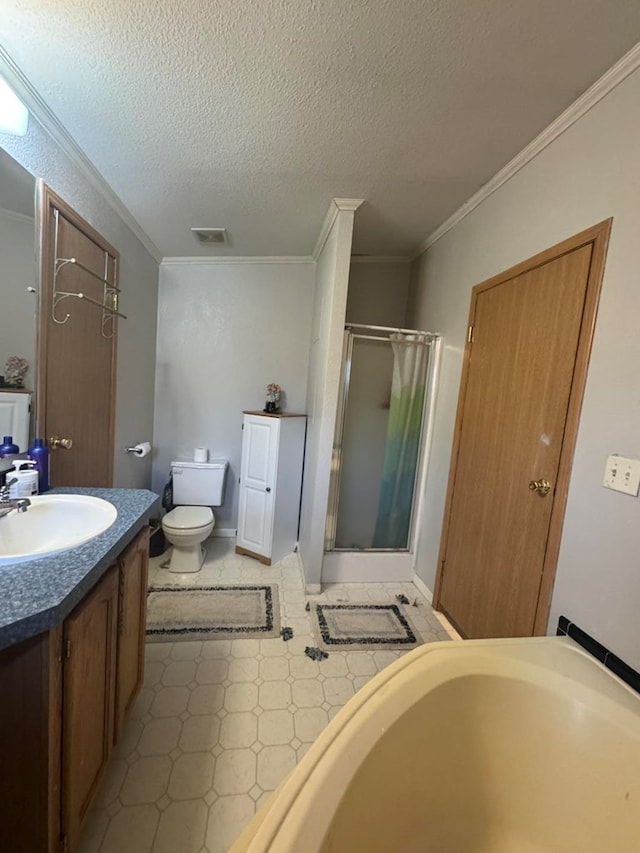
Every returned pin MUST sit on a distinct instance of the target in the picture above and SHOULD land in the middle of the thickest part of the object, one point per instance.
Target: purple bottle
(8, 448)
(39, 452)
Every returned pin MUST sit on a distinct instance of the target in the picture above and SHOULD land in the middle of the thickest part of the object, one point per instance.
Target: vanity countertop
(38, 594)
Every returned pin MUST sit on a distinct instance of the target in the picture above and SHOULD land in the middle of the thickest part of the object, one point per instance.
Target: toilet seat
(188, 517)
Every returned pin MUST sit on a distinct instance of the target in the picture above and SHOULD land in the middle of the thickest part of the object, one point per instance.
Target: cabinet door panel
(254, 527)
(90, 635)
(133, 569)
(30, 686)
(259, 452)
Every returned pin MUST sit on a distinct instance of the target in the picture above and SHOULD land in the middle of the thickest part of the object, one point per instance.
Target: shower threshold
(367, 566)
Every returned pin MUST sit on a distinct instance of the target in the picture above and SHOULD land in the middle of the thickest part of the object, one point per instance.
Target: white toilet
(197, 486)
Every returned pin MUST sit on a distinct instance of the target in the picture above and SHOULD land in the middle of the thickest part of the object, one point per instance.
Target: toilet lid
(185, 517)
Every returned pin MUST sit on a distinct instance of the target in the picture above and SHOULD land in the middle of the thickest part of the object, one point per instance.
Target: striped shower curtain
(410, 359)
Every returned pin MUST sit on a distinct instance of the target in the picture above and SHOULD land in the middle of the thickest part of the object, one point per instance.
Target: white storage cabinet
(15, 408)
(270, 485)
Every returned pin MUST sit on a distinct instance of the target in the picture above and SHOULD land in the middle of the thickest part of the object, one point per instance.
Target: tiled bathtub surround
(617, 666)
(220, 723)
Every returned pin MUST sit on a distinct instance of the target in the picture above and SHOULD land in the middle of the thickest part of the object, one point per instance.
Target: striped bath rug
(363, 626)
(212, 613)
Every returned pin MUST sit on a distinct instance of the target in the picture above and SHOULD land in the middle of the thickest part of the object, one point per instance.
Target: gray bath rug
(363, 626)
(212, 613)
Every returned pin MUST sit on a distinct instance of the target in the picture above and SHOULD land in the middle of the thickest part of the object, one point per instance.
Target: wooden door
(133, 568)
(76, 347)
(257, 485)
(526, 360)
(90, 642)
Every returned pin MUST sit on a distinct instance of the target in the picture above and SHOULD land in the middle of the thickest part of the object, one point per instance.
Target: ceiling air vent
(211, 236)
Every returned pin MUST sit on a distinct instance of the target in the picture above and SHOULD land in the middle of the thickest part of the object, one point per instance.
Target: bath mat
(212, 613)
(363, 626)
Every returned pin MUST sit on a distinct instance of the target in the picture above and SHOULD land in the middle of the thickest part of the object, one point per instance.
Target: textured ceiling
(252, 115)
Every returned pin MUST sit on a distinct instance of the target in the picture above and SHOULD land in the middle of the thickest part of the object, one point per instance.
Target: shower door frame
(433, 343)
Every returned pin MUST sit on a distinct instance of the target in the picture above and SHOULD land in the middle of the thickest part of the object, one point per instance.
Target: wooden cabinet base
(247, 553)
(63, 696)
(30, 726)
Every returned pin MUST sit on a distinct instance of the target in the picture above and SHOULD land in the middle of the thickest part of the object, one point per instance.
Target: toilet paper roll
(201, 454)
(142, 449)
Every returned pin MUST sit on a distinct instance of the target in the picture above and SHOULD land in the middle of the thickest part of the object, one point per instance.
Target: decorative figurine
(273, 396)
(15, 370)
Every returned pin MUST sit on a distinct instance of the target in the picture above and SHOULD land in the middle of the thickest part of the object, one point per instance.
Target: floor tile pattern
(219, 723)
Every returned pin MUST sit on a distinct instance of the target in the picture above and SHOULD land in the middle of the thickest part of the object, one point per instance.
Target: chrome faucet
(7, 503)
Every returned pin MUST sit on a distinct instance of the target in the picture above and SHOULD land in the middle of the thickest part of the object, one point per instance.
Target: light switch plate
(622, 474)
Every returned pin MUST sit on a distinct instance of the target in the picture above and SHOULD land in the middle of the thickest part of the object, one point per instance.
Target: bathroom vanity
(72, 629)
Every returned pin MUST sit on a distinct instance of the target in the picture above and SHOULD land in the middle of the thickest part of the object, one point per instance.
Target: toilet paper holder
(143, 448)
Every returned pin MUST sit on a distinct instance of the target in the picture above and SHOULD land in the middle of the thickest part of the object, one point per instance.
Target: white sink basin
(53, 523)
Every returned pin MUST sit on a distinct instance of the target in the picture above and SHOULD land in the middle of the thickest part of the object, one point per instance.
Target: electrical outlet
(622, 475)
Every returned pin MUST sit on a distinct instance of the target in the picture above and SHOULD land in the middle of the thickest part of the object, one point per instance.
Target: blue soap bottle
(39, 452)
(8, 448)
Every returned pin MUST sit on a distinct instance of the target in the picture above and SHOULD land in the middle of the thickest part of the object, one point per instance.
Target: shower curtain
(410, 358)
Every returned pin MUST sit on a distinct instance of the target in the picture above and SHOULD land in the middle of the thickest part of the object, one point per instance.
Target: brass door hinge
(470, 335)
(67, 649)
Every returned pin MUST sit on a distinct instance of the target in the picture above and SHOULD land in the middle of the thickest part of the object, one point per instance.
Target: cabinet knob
(268, 489)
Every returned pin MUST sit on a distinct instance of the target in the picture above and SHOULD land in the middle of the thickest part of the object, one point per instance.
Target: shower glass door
(378, 440)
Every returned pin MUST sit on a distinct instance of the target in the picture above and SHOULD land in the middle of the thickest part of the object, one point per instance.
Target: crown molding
(56, 130)
(337, 205)
(18, 217)
(380, 259)
(199, 260)
(612, 78)
(348, 203)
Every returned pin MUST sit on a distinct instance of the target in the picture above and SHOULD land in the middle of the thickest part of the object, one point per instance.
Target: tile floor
(218, 724)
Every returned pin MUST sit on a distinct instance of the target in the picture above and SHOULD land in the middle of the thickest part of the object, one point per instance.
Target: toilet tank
(199, 483)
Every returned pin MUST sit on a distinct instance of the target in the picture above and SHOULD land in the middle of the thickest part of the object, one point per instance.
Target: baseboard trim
(423, 588)
(442, 619)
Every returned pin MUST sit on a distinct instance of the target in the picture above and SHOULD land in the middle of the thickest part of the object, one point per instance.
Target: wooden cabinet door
(257, 485)
(133, 568)
(90, 644)
(30, 687)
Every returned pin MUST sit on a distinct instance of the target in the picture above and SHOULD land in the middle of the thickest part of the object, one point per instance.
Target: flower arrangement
(273, 397)
(15, 370)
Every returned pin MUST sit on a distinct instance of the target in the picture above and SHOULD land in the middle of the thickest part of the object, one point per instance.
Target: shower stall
(381, 437)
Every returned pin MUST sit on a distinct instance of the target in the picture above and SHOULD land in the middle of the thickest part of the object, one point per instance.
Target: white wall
(42, 156)
(589, 173)
(378, 292)
(225, 330)
(329, 307)
(17, 272)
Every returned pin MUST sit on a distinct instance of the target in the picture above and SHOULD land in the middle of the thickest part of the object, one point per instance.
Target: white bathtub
(511, 746)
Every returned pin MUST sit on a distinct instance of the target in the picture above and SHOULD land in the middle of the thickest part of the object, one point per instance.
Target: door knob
(62, 443)
(540, 486)
(268, 489)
